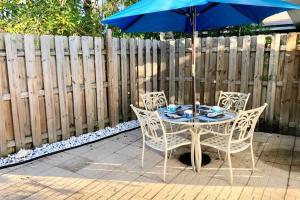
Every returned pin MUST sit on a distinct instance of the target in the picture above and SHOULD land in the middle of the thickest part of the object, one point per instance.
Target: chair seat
(173, 141)
(221, 142)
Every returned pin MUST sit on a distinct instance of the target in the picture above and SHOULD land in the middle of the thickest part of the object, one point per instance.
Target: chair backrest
(234, 101)
(154, 100)
(244, 126)
(149, 122)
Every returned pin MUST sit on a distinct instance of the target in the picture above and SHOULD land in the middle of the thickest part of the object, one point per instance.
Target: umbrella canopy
(176, 15)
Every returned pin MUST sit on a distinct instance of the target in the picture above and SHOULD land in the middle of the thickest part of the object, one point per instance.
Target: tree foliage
(78, 17)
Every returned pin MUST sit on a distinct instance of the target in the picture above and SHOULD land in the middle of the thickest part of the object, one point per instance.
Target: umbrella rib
(180, 11)
(133, 22)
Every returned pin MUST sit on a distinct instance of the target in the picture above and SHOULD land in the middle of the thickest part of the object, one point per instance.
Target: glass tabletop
(202, 115)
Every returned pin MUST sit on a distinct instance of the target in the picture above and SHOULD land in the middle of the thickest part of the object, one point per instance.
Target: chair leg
(165, 165)
(230, 168)
(252, 158)
(170, 154)
(143, 154)
(225, 156)
(219, 155)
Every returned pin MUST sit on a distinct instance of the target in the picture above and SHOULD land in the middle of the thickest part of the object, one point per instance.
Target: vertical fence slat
(245, 63)
(141, 71)
(272, 75)
(207, 84)
(220, 67)
(75, 71)
(232, 64)
(163, 65)
(148, 66)
(62, 87)
(87, 72)
(13, 76)
(124, 79)
(172, 71)
(48, 87)
(198, 67)
(259, 61)
(32, 90)
(3, 140)
(99, 69)
(181, 71)
(113, 97)
(154, 66)
(132, 64)
(287, 80)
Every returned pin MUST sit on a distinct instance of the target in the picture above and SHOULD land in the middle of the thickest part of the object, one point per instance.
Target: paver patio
(110, 169)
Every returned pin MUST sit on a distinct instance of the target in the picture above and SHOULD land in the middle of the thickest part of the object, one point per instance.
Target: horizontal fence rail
(55, 87)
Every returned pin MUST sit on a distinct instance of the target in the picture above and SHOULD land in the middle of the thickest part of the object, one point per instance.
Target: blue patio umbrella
(194, 15)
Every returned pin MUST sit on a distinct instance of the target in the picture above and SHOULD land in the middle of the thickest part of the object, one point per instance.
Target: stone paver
(110, 169)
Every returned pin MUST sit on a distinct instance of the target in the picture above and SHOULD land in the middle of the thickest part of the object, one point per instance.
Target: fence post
(272, 73)
(32, 90)
(14, 88)
(287, 80)
(113, 97)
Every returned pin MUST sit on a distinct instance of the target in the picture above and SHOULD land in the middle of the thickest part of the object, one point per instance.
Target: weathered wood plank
(181, 71)
(272, 75)
(287, 83)
(87, 71)
(148, 66)
(163, 65)
(132, 64)
(3, 139)
(154, 66)
(172, 71)
(220, 67)
(141, 71)
(259, 61)
(198, 67)
(62, 86)
(208, 75)
(99, 68)
(112, 70)
(75, 71)
(245, 63)
(124, 77)
(13, 76)
(48, 88)
(232, 64)
(32, 90)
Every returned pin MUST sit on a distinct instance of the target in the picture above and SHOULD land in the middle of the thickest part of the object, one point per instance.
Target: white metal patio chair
(154, 100)
(239, 138)
(156, 137)
(234, 101)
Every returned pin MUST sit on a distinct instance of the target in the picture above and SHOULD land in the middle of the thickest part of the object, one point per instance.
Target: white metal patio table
(199, 124)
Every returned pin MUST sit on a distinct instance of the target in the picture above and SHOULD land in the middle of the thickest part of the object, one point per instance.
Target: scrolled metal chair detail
(154, 100)
(239, 137)
(234, 101)
(157, 137)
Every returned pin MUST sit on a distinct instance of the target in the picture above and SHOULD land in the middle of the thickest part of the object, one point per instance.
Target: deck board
(110, 169)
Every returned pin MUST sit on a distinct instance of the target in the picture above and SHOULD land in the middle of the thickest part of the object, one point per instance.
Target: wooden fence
(54, 87)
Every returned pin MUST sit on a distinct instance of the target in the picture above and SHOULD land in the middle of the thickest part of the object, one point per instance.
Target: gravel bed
(46, 149)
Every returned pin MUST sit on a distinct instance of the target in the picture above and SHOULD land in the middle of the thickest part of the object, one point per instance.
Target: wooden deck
(110, 169)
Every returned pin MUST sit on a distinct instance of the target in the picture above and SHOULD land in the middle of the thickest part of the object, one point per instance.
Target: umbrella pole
(193, 59)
